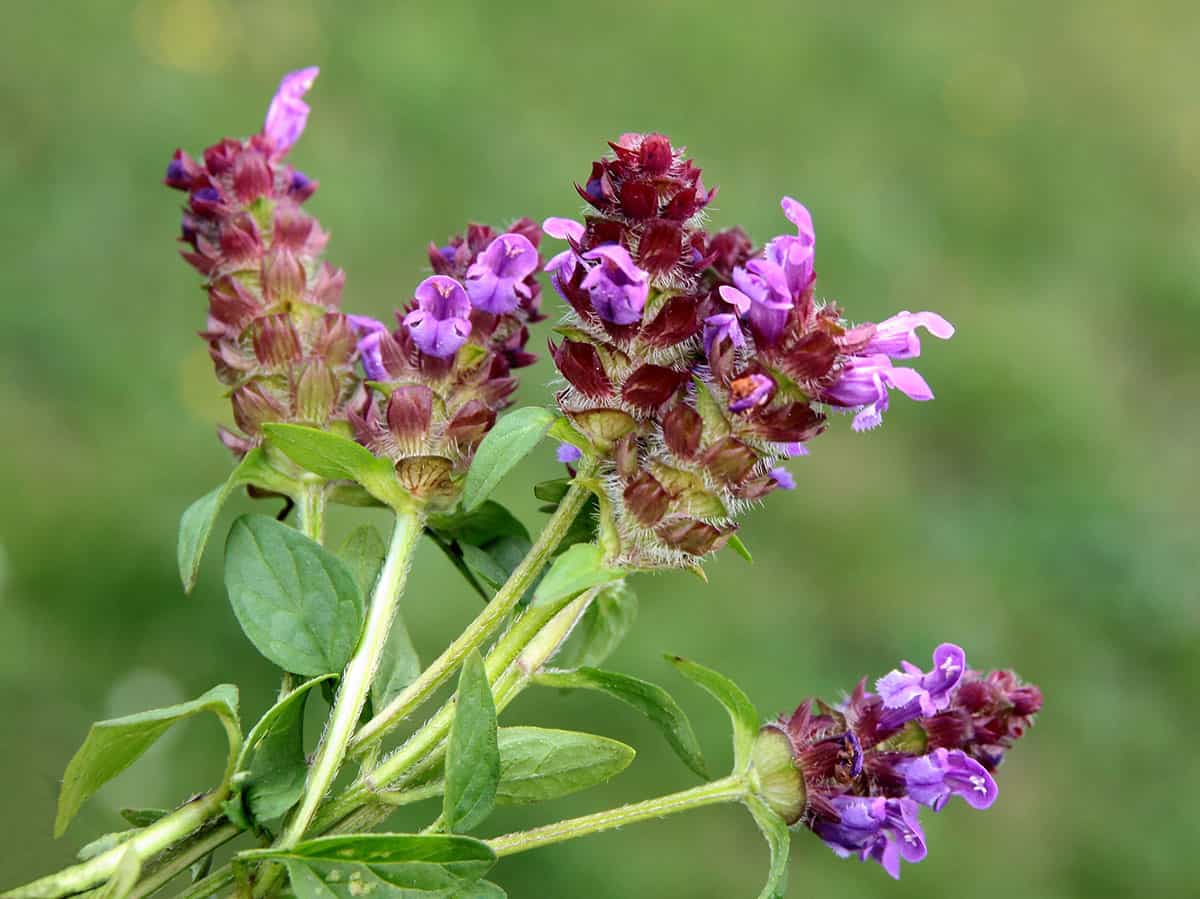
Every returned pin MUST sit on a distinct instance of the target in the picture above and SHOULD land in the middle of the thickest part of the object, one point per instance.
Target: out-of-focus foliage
(1029, 170)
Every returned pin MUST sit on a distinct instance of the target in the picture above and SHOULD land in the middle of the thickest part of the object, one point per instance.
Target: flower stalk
(727, 789)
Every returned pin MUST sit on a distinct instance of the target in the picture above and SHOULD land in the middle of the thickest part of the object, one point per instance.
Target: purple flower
(897, 337)
(921, 693)
(496, 282)
(795, 449)
(932, 779)
(441, 322)
(783, 478)
(795, 254)
(568, 454)
(763, 297)
(288, 113)
(370, 333)
(718, 327)
(364, 325)
(563, 229)
(865, 380)
(618, 288)
(750, 391)
(883, 830)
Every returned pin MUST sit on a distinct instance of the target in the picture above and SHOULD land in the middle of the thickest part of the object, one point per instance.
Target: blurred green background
(1031, 170)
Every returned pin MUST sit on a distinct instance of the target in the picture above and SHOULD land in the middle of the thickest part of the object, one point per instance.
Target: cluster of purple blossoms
(275, 332)
(694, 365)
(446, 371)
(857, 774)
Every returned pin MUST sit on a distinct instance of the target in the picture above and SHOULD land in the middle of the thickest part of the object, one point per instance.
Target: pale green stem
(215, 881)
(728, 789)
(160, 835)
(356, 680)
(523, 649)
(482, 627)
(310, 510)
(183, 858)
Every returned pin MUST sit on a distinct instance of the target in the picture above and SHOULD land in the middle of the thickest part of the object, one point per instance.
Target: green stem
(310, 510)
(182, 858)
(160, 835)
(215, 881)
(356, 680)
(729, 789)
(524, 648)
(483, 626)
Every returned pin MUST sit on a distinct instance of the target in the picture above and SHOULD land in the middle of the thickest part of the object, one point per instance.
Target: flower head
(859, 772)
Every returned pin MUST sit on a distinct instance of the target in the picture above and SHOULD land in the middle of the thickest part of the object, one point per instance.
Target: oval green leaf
(472, 750)
(579, 568)
(650, 699)
(537, 763)
(296, 602)
(505, 445)
(112, 746)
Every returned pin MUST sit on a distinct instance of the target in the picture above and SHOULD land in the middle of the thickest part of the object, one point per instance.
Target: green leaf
(113, 745)
(296, 602)
(363, 551)
(472, 751)
(486, 568)
(334, 457)
(537, 764)
(650, 699)
(505, 445)
(601, 629)
(143, 817)
(271, 767)
(479, 526)
(736, 544)
(482, 889)
(379, 865)
(552, 491)
(579, 568)
(742, 714)
(779, 839)
(197, 522)
(124, 877)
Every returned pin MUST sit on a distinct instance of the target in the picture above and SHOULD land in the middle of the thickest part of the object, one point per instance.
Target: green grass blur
(1031, 170)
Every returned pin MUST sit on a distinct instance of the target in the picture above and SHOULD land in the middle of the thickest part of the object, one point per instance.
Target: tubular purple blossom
(496, 283)
(288, 113)
(617, 287)
(441, 323)
(922, 693)
(864, 383)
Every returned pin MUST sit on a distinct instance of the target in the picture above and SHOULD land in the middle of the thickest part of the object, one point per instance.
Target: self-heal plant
(692, 368)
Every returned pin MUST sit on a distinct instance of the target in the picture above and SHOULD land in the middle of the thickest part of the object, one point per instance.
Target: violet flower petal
(495, 283)
(897, 337)
(288, 113)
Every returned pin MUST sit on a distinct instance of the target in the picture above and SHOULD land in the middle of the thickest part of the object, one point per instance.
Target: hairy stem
(160, 835)
(183, 857)
(356, 680)
(729, 789)
(483, 626)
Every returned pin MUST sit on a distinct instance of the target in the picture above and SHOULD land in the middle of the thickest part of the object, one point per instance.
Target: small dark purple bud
(301, 187)
(694, 537)
(682, 430)
(470, 424)
(646, 498)
(651, 386)
(750, 391)
(661, 247)
(730, 460)
(182, 171)
(625, 456)
(656, 154)
(580, 364)
(276, 344)
(409, 413)
(252, 176)
(252, 408)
